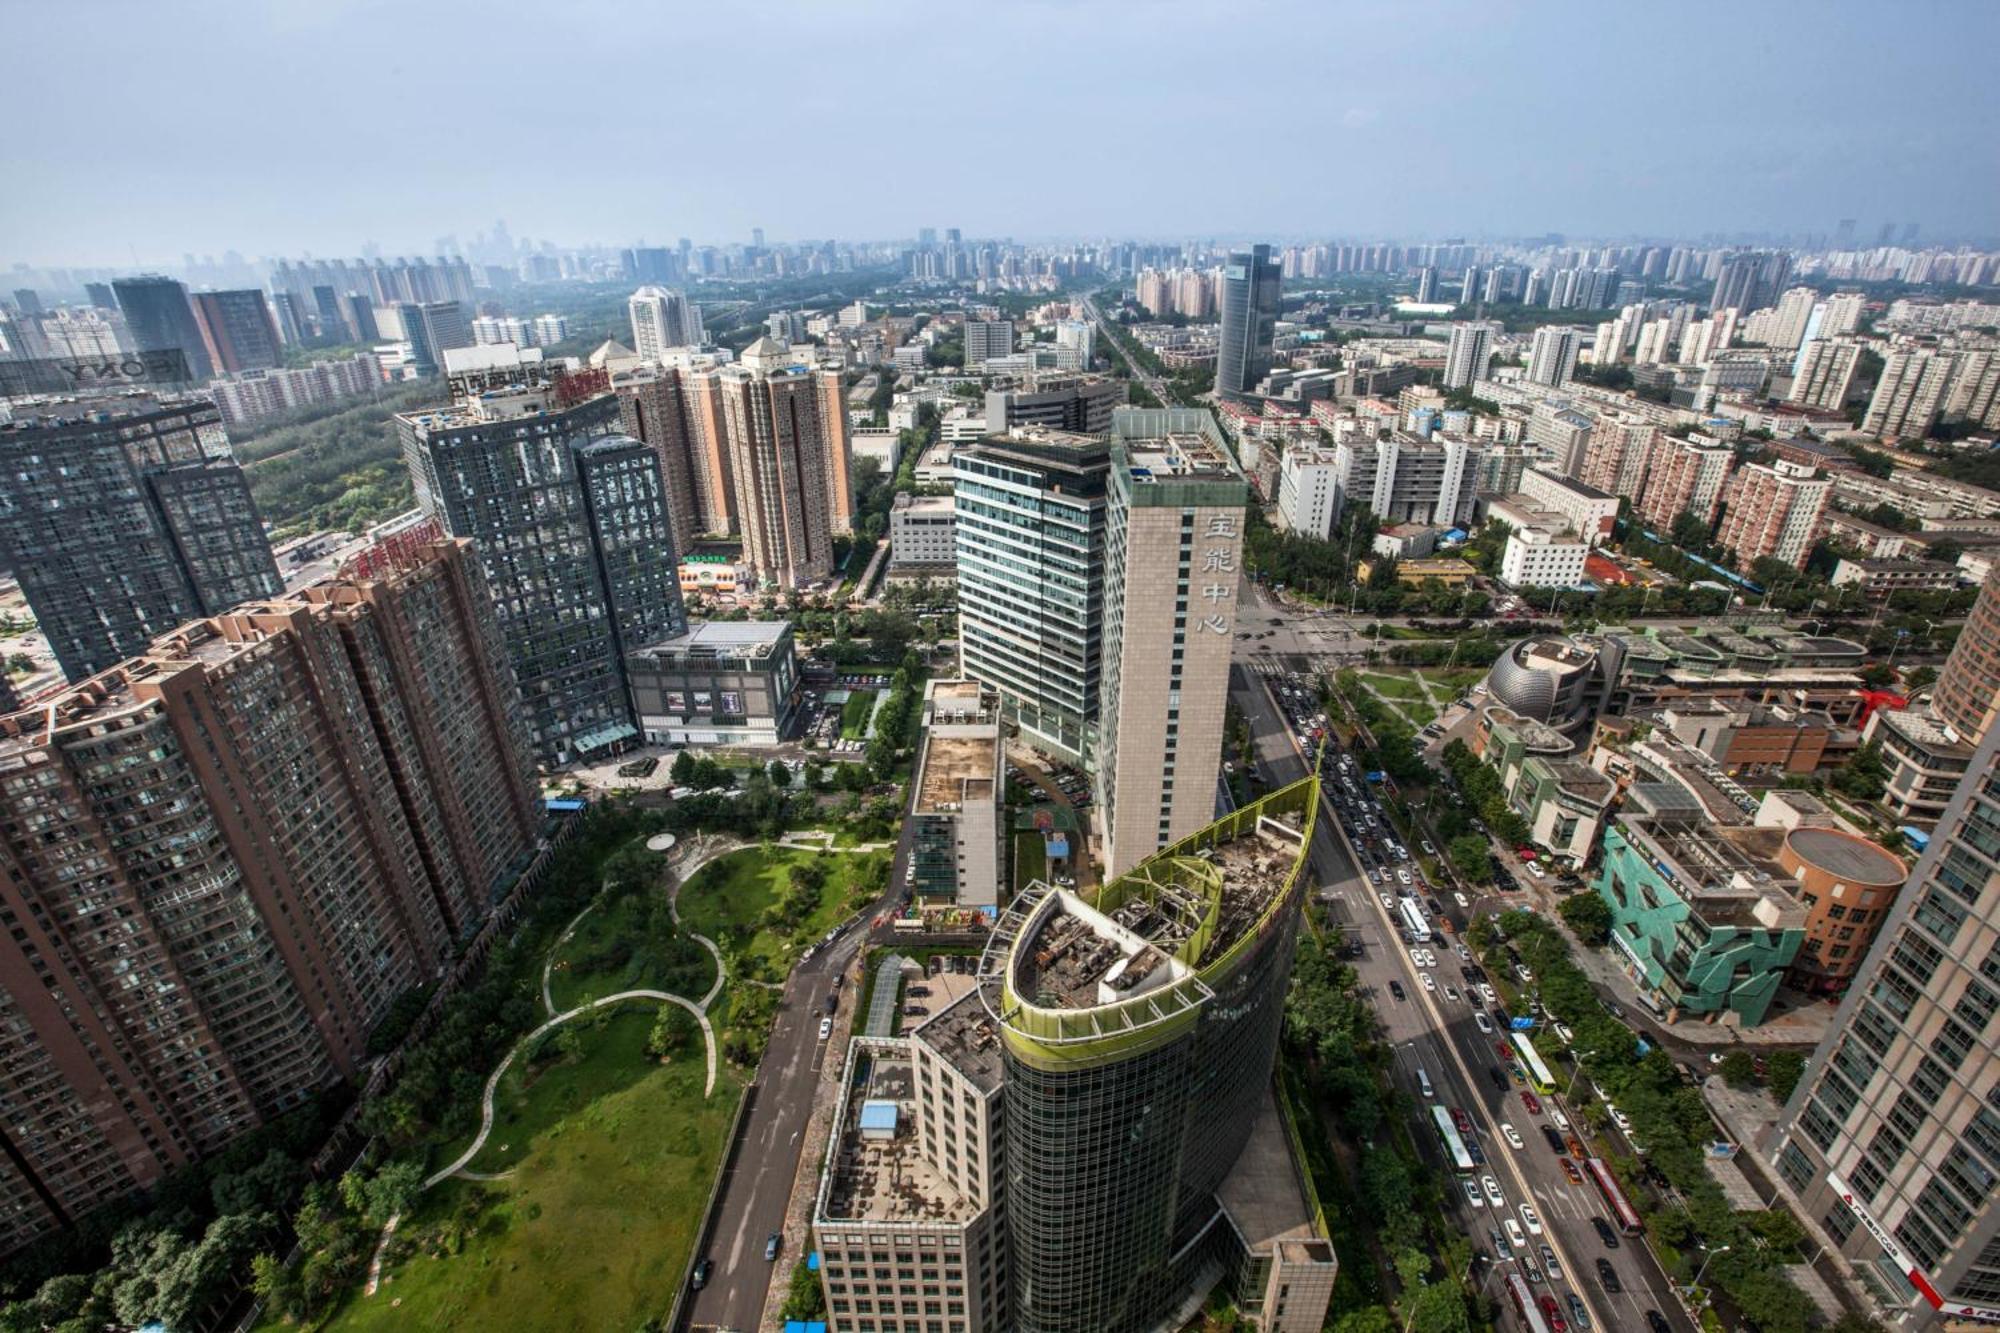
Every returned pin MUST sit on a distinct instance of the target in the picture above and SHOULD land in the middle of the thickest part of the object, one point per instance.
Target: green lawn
(1400, 688)
(613, 1157)
(731, 898)
(1031, 860)
(854, 715)
(1450, 680)
(624, 944)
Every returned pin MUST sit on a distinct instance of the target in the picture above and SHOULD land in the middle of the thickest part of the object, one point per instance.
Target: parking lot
(836, 713)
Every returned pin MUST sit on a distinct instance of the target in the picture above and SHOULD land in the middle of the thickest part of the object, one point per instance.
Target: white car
(1514, 1236)
(825, 1028)
(1535, 869)
(1428, 849)
(1388, 903)
(1429, 985)
(1624, 1121)
(1513, 1138)
(1521, 971)
(1417, 957)
(1488, 994)
(1473, 1196)
(1463, 952)
(1564, 1031)
(1493, 1191)
(1562, 1121)
(1484, 1023)
(1451, 994)
(1464, 902)
(1402, 874)
(1532, 1218)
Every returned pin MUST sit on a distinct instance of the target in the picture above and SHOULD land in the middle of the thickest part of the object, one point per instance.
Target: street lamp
(1720, 1249)
(1577, 1073)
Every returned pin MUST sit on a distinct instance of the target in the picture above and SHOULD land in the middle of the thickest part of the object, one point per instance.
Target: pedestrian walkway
(882, 1004)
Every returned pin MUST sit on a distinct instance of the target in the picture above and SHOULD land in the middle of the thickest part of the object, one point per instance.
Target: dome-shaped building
(1560, 681)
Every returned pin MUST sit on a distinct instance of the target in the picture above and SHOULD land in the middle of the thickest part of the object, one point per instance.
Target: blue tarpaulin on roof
(1057, 845)
(565, 803)
(805, 1326)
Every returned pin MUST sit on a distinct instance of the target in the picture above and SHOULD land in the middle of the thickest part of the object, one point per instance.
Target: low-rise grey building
(720, 683)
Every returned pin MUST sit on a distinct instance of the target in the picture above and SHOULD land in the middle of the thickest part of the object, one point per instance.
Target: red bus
(1623, 1215)
(1524, 1304)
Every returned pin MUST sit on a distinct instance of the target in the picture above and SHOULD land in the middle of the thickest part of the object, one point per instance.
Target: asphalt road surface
(1440, 1036)
(759, 1185)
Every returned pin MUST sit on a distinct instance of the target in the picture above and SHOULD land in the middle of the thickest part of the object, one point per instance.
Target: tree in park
(781, 777)
(1738, 1069)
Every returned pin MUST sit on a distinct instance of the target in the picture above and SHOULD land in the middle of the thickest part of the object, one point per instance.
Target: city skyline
(1791, 165)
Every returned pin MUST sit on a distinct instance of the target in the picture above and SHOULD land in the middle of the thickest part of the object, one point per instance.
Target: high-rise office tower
(1552, 355)
(292, 327)
(159, 317)
(1910, 393)
(1468, 287)
(287, 816)
(1173, 554)
(332, 320)
(1468, 355)
(1427, 282)
(1251, 283)
(1088, 1142)
(360, 311)
(433, 328)
(1772, 510)
(778, 446)
(123, 518)
(100, 295)
(1892, 1139)
(1029, 531)
(663, 317)
(1967, 694)
(570, 521)
(238, 331)
(986, 339)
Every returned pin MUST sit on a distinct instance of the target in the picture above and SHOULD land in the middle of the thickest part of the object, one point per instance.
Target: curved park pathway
(704, 851)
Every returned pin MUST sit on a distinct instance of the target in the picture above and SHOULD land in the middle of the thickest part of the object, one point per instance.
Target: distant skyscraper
(1468, 354)
(292, 327)
(238, 331)
(1173, 556)
(1750, 281)
(327, 312)
(1427, 281)
(663, 318)
(1823, 375)
(122, 524)
(159, 317)
(28, 301)
(570, 521)
(986, 339)
(100, 295)
(361, 317)
(1552, 355)
(779, 446)
(288, 816)
(433, 328)
(1909, 393)
(1251, 284)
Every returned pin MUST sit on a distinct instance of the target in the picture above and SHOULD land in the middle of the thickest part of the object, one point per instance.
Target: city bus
(1623, 1215)
(1524, 1304)
(1454, 1146)
(1531, 1064)
(1416, 929)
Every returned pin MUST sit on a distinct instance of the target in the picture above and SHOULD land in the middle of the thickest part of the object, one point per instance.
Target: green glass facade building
(1702, 919)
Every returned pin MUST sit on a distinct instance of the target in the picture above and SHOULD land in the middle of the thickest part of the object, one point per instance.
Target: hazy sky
(139, 131)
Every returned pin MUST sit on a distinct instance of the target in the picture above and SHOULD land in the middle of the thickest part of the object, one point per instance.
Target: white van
(1424, 1083)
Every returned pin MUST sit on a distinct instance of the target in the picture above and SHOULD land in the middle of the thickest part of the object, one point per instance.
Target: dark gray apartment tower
(432, 329)
(159, 317)
(361, 317)
(1892, 1139)
(1251, 282)
(100, 295)
(123, 519)
(237, 330)
(326, 309)
(570, 520)
(291, 322)
(1751, 280)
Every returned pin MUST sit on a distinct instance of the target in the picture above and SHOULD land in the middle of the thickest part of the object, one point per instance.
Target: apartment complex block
(570, 520)
(1772, 510)
(285, 816)
(1683, 476)
(123, 518)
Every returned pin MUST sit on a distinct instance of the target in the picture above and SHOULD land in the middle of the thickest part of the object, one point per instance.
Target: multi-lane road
(1440, 1036)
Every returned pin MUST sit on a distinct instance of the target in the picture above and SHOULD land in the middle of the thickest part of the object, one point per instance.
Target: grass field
(612, 1159)
(1400, 688)
(628, 943)
(1031, 860)
(854, 715)
(731, 898)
